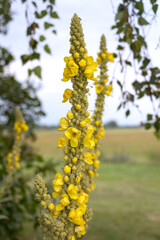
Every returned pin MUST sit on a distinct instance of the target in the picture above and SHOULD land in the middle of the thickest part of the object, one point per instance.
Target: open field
(126, 202)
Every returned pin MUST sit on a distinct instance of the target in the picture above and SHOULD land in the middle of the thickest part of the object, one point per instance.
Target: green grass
(127, 195)
(126, 202)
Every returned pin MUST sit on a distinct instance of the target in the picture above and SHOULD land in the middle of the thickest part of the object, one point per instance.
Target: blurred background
(34, 41)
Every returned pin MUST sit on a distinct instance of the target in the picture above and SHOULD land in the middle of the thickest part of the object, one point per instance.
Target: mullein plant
(68, 218)
(102, 89)
(13, 157)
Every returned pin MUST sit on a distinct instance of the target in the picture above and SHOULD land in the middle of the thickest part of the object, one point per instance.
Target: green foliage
(131, 23)
(18, 204)
(43, 10)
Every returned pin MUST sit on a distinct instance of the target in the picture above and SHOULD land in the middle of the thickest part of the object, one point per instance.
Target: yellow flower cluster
(70, 215)
(14, 156)
(105, 55)
(101, 89)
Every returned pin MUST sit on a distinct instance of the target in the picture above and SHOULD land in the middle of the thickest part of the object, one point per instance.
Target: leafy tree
(132, 24)
(18, 204)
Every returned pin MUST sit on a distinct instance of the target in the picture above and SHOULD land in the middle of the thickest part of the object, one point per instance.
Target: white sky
(97, 19)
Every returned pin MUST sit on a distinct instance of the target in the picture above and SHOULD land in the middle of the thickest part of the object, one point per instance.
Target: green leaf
(30, 72)
(142, 21)
(155, 8)
(120, 105)
(42, 38)
(54, 15)
(43, 13)
(128, 63)
(139, 6)
(48, 25)
(52, 1)
(127, 113)
(34, 4)
(33, 43)
(37, 15)
(119, 83)
(120, 47)
(149, 117)
(37, 71)
(47, 49)
(34, 56)
(25, 58)
(54, 31)
(153, 1)
(147, 126)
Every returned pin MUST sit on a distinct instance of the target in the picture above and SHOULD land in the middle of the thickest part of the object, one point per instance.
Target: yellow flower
(58, 183)
(73, 135)
(64, 123)
(108, 92)
(99, 60)
(67, 169)
(72, 238)
(67, 95)
(51, 206)
(59, 207)
(82, 63)
(76, 55)
(89, 129)
(105, 80)
(93, 186)
(74, 160)
(99, 89)
(80, 230)
(43, 203)
(110, 57)
(71, 69)
(69, 115)
(55, 194)
(98, 153)
(78, 179)
(62, 142)
(91, 173)
(72, 191)
(103, 55)
(109, 88)
(96, 163)
(87, 157)
(86, 121)
(78, 106)
(17, 165)
(89, 143)
(64, 200)
(75, 215)
(101, 133)
(90, 68)
(66, 178)
(98, 122)
(83, 198)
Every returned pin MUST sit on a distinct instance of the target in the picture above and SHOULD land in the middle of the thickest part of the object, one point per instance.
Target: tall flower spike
(71, 214)
(102, 89)
(14, 156)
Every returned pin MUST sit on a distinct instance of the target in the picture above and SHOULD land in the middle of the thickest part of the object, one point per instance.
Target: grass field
(126, 202)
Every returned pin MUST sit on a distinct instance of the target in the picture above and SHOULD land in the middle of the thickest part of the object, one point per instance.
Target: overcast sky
(97, 19)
